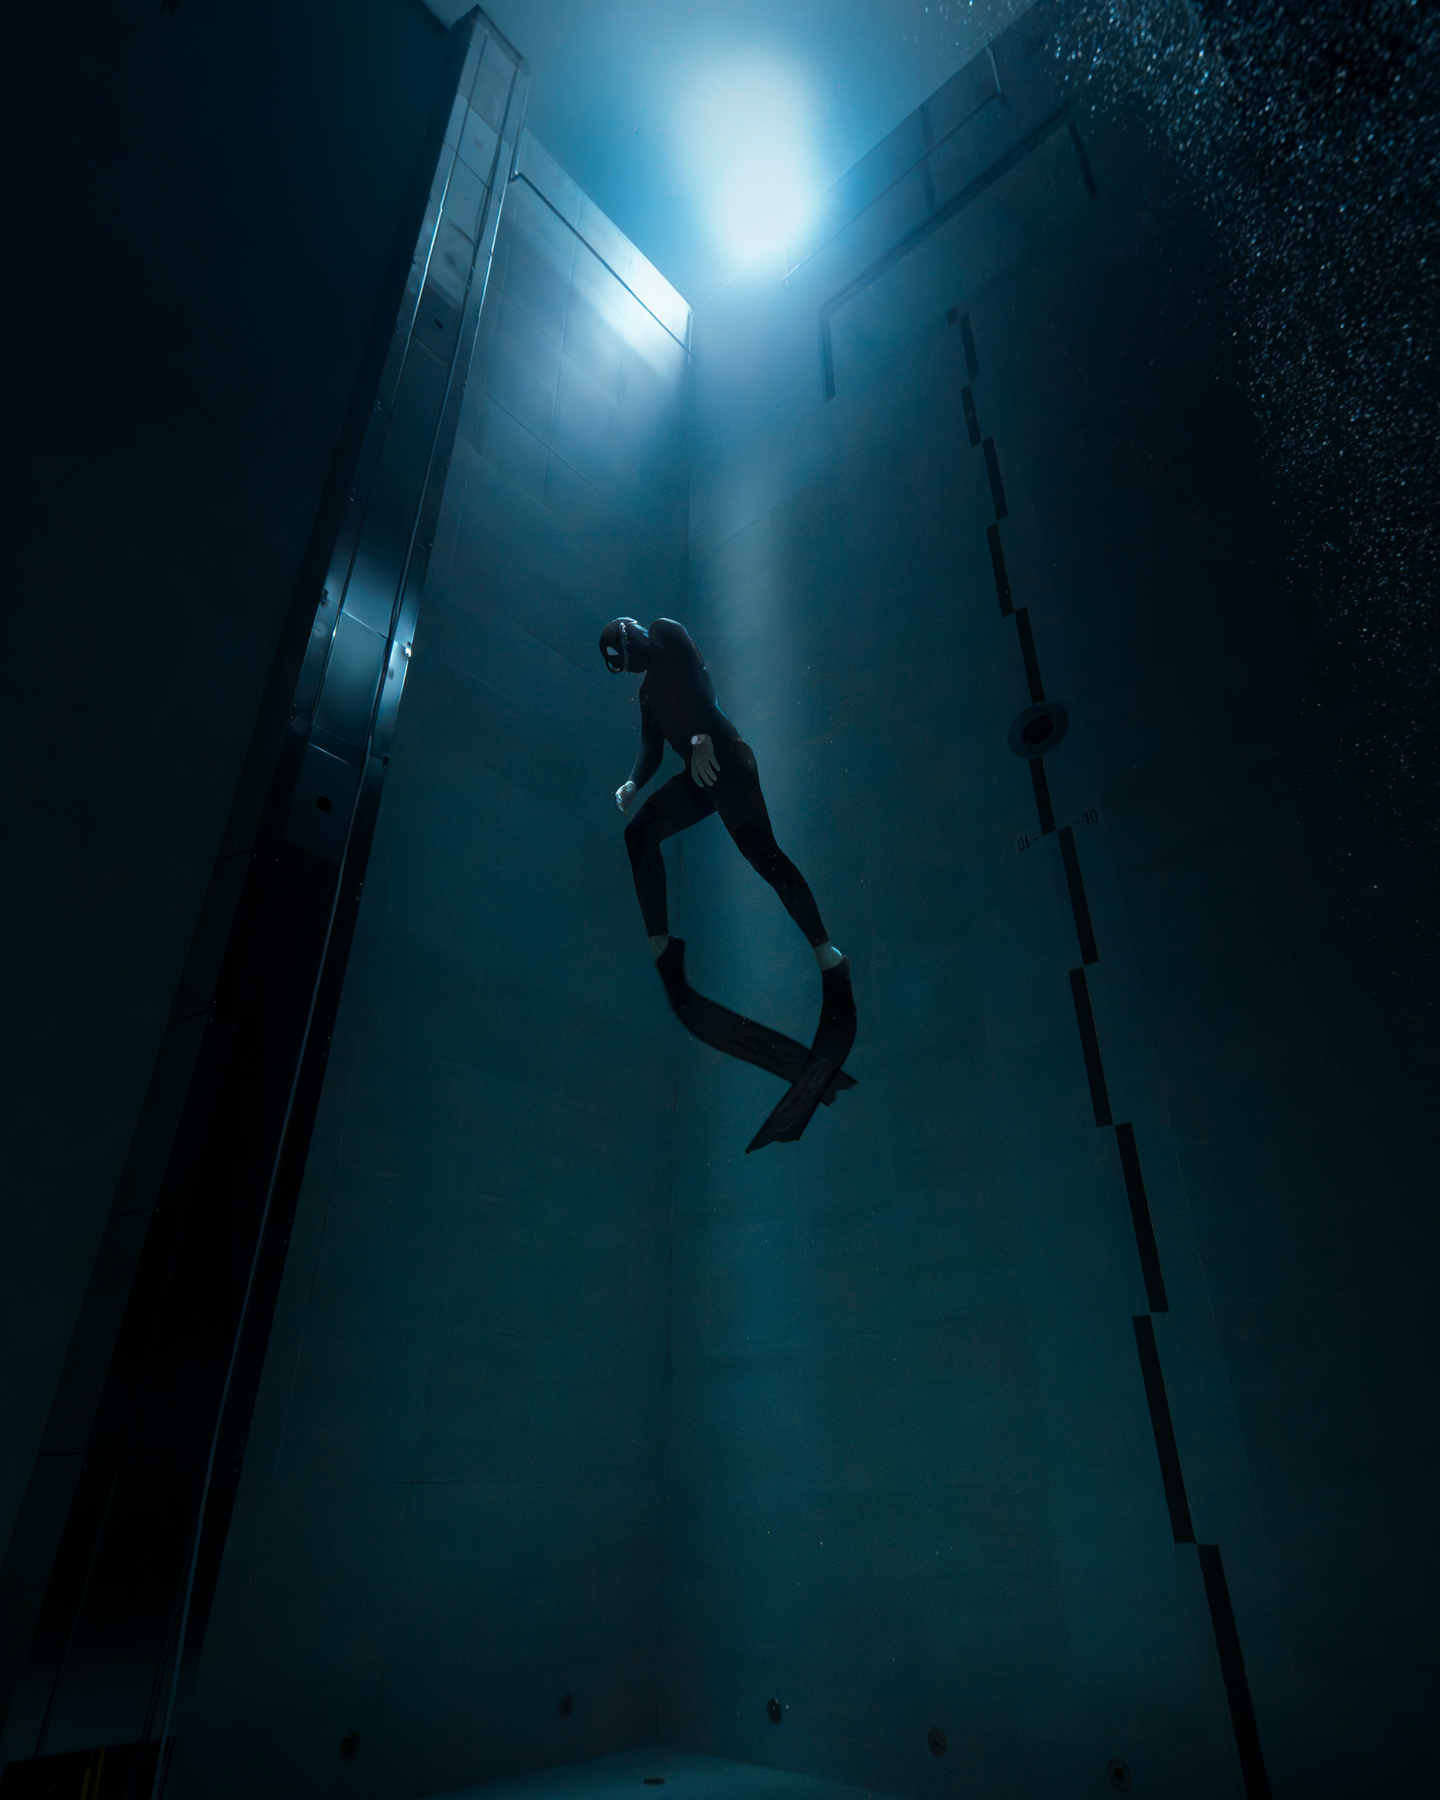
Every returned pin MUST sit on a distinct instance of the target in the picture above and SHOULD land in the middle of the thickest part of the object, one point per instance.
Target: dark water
(1311, 134)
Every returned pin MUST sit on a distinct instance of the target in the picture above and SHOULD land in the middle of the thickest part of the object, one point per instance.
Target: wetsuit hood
(625, 645)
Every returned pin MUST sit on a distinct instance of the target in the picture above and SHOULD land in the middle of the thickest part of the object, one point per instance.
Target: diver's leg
(741, 806)
(675, 806)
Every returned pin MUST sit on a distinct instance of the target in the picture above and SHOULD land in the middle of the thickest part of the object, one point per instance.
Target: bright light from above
(747, 129)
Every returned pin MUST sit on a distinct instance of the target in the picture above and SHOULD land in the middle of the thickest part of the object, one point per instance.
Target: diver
(678, 707)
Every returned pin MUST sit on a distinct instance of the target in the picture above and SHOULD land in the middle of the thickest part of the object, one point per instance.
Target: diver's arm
(652, 751)
(704, 708)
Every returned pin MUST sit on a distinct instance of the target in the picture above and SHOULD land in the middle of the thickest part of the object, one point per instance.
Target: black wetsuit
(677, 702)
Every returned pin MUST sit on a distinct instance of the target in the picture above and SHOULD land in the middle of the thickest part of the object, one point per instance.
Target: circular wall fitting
(1119, 1774)
(1039, 729)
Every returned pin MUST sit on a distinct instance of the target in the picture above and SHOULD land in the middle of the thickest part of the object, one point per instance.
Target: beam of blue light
(749, 143)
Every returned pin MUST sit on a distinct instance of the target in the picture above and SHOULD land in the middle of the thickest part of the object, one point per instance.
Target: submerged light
(748, 131)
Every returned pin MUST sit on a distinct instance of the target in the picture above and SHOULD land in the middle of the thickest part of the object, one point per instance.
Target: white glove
(625, 794)
(703, 766)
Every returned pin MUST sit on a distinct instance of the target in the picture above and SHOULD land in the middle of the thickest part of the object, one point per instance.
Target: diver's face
(621, 659)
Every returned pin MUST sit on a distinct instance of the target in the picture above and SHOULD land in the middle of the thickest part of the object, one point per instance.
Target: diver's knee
(756, 846)
(636, 833)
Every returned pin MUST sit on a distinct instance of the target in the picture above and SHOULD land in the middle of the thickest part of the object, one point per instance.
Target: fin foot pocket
(833, 1041)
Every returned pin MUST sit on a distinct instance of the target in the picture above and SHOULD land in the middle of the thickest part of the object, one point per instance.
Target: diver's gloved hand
(703, 766)
(624, 794)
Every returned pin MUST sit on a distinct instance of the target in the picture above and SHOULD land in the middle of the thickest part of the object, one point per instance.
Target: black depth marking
(992, 469)
(997, 563)
(1232, 1668)
(1217, 1592)
(1090, 1046)
(1079, 905)
(1042, 795)
(1180, 1526)
(827, 357)
(1085, 174)
(1027, 650)
(927, 176)
(967, 338)
(1140, 1218)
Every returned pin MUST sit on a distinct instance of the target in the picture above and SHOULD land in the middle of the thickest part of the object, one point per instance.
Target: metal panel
(418, 262)
(927, 160)
(472, 68)
(465, 197)
(400, 339)
(324, 800)
(962, 96)
(602, 237)
(862, 186)
(491, 96)
(594, 323)
(887, 218)
(1001, 212)
(542, 254)
(549, 180)
(400, 475)
(595, 282)
(885, 164)
(456, 123)
(437, 322)
(558, 195)
(648, 373)
(964, 154)
(504, 442)
(322, 629)
(450, 261)
(584, 429)
(524, 370)
(652, 290)
(478, 145)
(351, 677)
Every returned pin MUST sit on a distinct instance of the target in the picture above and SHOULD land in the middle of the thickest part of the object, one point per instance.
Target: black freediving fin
(833, 1039)
(732, 1033)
